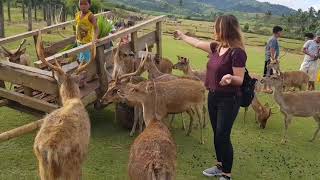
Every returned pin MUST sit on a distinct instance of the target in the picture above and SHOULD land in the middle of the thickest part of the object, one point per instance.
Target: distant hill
(205, 7)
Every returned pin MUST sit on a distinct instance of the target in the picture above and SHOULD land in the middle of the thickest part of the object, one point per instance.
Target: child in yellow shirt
(86, 28)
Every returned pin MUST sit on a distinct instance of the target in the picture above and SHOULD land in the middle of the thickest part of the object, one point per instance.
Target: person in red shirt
(225, 73)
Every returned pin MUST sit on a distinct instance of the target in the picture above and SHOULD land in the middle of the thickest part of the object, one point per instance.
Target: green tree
(246, 27)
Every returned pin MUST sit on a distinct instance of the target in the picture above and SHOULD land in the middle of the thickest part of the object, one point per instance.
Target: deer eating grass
(263, 112)
(153, 154)
(61, 144)
(111, 96)
(184, 65)
(162, 98)
(296, 104)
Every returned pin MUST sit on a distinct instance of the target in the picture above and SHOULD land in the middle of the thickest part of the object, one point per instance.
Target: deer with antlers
(297, 104)
(19, 55)
(184, 65)
(164, 97)
(61, 144)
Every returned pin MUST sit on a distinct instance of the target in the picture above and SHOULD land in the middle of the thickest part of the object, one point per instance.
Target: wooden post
(1, 20)
(159, 38)
(103, 79)
(134, 39)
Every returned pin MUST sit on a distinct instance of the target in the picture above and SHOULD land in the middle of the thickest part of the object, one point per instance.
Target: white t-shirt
(312, 48)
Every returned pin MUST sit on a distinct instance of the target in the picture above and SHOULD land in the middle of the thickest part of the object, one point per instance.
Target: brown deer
(162, 98)
(19, 55)
(61, 144)
(163, 64)
(153, 154)
(184, 65)
(111, 96)
(263, 112)
(295, 79)
(297, 104)
(147, 64)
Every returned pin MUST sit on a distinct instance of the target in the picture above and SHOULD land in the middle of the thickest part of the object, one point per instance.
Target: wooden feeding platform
(35, 89)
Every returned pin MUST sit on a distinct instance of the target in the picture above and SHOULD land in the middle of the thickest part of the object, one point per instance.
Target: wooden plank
(43, 30)
(26, 68)
(58, 46)
(28, 101)
(149, 38)
(103, 78)
(159, 38)
(105, 40)
(30, 79)
(3, 102)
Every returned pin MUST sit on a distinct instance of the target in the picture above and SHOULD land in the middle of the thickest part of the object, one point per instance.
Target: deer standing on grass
(295, 79)
(297, 104)
(153, 154)
(61, 144)
(162, 98)
(147, 64)
(184, 65)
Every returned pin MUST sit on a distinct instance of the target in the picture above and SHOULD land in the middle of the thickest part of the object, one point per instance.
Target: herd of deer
(61, 144)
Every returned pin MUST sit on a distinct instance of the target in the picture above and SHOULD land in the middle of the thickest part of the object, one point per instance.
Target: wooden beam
(103, 78)
(134, 41)
(22, 130)
(105, 40)
(89, 99)
(3, 102)
(58, 46)
(159, 38)
(26, 68)
(43, 30)
(32, 79)
(28, 101)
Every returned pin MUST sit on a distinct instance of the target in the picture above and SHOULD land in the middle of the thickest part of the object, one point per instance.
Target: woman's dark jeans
(223, 110)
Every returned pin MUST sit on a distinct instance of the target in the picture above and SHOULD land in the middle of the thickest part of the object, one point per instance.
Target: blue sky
(296, 4)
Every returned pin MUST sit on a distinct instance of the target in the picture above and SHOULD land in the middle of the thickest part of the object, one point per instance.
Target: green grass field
(258, 153)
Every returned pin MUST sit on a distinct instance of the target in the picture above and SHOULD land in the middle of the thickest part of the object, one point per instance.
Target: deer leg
(200, 118)
(140, 120)
(191, 121)
(183, 122)
(317, 119)
(135, 121)
(171, 121)
(205, 117)
(245, 114)
(287, 121)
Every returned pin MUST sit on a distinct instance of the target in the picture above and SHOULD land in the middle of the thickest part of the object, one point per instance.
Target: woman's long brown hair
(228, 32)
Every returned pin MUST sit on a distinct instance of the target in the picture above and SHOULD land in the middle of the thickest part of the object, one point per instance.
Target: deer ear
(178, 57)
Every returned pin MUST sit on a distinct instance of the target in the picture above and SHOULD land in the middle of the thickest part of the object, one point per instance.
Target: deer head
(14, 56)
(136, 92)
(274, 66)
(113, 88)
(182, 63)
(264, 115)
(68, 83)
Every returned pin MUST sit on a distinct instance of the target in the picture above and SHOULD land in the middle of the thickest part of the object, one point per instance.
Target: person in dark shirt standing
(272, 53)
(225, 73)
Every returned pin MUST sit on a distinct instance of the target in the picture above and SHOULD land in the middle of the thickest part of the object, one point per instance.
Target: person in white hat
(310, 64)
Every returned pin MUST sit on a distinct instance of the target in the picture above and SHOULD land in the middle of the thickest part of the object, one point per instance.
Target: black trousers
(223, 110)
(265, 71)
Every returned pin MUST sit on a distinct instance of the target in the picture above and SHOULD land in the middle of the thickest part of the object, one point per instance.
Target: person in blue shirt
(272, 51)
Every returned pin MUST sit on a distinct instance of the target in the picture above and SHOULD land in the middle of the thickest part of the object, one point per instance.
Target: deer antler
(7, 51)
(140, 68)
(42, 57)
(21, 44)
(82, 67)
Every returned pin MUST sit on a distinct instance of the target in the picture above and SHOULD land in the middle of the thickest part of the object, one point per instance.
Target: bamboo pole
(22, 130)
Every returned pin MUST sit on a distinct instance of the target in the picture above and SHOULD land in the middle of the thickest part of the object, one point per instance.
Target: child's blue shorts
(84, 56)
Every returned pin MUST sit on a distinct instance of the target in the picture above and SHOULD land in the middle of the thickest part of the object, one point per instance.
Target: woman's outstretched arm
(203, 45)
